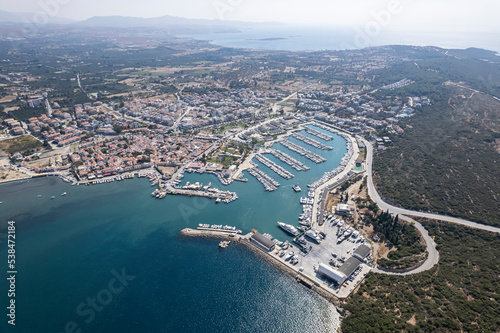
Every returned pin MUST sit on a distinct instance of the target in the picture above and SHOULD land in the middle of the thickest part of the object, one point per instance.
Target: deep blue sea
(115, 245)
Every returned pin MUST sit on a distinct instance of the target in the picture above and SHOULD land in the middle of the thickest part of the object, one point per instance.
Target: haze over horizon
(427, 15)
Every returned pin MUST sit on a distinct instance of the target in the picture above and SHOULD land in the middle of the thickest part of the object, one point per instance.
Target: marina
(303, 151)
(273, 166)
(318, 134)
(269, 183)
(285, 158)
(311, 142)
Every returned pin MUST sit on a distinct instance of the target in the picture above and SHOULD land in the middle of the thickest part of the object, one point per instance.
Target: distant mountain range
(162, 21)
(166, 21)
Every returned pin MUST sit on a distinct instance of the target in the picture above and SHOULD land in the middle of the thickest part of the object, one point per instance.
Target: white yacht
(288, 228)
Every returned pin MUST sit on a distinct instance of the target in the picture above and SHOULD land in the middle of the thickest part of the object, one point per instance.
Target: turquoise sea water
(71, 249)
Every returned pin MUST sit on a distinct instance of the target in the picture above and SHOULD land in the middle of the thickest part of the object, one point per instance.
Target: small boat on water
(52, 197)
(296, 188)
(224, 244)
(64, 194)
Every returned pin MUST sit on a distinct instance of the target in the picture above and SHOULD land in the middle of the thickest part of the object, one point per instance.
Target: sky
(432, 15)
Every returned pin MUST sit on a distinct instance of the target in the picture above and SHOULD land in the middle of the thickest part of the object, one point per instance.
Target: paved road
(397, 210)
(433, 257)
(431, 260)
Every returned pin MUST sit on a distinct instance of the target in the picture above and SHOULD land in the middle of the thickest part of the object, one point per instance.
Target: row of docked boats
(227, 198)
(303, 151)
(285, 158)
(269, 183)
(218, 227)
(158, 194)
(306, 201)
(275, 167)
(311, 142)
(318, 134)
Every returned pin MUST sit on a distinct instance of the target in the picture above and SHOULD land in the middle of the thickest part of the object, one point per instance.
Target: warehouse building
(331, 273)
(349, 266)
(362, 252)
(264, 243)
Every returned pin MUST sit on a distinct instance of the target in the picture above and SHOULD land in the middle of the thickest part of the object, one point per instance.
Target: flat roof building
(350, 266)
(342, 209)
(262, 242)
(362, 252)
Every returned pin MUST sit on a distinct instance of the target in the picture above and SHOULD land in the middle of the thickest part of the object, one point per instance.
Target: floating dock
(303, 151)
(318, 134)
(311, 142)
(325, 127)
(269, 183)
(219, 196)
(273, 166)
(285, 158)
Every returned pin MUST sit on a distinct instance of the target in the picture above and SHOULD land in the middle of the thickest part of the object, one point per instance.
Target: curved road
(431, 246)
(397, 210)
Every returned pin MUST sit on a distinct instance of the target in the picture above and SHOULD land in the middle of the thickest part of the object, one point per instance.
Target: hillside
(447, 159)
(460, 294)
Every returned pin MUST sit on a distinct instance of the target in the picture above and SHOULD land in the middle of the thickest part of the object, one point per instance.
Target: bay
(71, 249)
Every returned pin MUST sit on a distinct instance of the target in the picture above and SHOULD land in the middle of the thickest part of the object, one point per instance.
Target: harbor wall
(244, 240)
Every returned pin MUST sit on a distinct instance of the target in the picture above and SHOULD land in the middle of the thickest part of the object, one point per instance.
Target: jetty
(285, 158)
(210, 193)
(303, 151)
(325, 127)
(269, 183)
(308, 277)
(318, 134)
(273, 166)
(311, 142)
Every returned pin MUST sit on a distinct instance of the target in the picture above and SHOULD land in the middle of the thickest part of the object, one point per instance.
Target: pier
(325, 127)
(303, 151)
(311, 142)
(285, 158)
(269, 183)
(318, 134)
(273, 166)
(211, 193)
(303, 271)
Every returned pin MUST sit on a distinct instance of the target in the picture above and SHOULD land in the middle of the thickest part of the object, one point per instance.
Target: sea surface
(117, 244)
(306, 38)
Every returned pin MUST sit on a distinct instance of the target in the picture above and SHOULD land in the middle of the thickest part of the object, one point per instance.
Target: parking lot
(329, 252)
